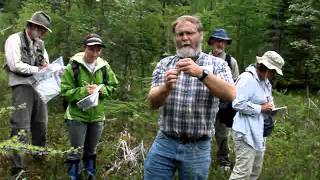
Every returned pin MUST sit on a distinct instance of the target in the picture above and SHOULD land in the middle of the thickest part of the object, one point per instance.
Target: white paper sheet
(279, 108)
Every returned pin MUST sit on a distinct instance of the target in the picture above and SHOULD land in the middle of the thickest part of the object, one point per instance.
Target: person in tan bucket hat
(272, 60)
(254, 105)
(26, 55)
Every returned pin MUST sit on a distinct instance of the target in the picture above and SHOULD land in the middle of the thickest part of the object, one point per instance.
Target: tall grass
(293, 150)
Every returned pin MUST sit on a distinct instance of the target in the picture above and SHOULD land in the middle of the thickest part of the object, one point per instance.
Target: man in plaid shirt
(187, 88)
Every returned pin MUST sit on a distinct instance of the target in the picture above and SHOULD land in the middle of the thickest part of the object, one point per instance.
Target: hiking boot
(74, 169)
(17, 174)
(90, 167)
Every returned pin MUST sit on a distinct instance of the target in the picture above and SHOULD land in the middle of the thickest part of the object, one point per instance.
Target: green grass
(293, 150)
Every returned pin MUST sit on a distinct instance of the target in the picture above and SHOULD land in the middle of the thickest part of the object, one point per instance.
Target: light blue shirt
(249, 120)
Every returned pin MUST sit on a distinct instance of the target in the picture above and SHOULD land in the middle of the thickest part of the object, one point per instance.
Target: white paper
(47, 80)
(90, 101)
(279, 108)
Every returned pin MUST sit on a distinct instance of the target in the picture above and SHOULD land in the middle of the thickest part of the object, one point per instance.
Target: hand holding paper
(47, 80)
(275, 110)
(91, 88)
(92, 100)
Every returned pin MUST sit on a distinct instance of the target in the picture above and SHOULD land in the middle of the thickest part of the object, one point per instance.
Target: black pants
(33, 119)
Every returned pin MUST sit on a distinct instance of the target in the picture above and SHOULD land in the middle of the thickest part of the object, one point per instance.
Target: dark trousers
(33, 119)
(221, 136)
(86, 135)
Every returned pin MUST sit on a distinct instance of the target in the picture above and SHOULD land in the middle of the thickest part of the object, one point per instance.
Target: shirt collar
(253, 71)
(222, 55)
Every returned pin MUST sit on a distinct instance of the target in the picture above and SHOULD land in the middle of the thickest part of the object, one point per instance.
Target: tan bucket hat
(272, 60)
(42, 19)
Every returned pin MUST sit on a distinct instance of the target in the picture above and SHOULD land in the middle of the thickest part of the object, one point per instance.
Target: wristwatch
(205, 73)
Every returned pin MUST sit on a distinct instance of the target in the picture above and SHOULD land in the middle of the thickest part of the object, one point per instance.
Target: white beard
(188, 51)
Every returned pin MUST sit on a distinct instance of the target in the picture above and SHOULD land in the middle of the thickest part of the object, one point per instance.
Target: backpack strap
(228, 59)
(75, 69)
(104, 75)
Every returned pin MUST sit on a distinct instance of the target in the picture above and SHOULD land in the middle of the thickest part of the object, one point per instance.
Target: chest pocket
(26, 56)
(39, 58)
(257, 98)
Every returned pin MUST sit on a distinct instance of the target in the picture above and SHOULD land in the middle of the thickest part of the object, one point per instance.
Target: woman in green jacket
(84, 75)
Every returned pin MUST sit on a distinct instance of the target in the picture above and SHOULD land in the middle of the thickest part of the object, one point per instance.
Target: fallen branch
(131, 157)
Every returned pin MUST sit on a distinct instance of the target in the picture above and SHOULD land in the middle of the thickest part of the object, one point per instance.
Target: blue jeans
(166, 155)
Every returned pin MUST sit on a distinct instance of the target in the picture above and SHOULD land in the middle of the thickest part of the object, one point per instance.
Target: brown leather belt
(184, 139)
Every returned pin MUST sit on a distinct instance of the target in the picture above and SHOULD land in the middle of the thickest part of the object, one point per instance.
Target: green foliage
(138, 34)
(14, 145)
(291, 149)
(4, 93)
(297, 39)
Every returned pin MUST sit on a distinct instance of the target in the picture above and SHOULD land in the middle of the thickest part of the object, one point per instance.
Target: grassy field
(293, 150)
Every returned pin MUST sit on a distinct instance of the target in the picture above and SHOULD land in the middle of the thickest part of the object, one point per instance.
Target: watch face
(205, 73)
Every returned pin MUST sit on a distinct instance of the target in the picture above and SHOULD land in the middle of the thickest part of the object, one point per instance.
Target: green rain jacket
(73, 93)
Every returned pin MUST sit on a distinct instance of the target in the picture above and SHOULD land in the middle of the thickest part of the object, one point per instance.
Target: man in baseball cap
(86, 74)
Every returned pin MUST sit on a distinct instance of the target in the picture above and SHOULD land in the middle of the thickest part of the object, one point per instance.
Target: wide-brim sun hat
(272, 60)
(219, 34)
(40, 18)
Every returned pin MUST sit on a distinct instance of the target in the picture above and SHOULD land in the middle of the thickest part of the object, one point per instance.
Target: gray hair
(193, 19)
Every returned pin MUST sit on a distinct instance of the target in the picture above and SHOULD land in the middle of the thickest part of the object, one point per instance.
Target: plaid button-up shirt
(190, 108)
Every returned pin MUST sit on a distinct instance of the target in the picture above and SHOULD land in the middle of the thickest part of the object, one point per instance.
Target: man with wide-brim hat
(218, 41)
(40, 18)
(254, 105)
(220, 34)
(26, 55)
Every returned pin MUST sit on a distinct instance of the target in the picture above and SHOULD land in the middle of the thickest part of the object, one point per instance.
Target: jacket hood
(252, 69)
(79, 58)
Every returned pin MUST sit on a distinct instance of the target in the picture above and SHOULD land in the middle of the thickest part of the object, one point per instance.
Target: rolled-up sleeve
(235, 68)
(224, 72)
(158, 75)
